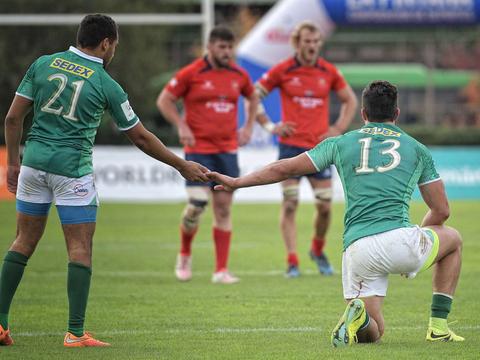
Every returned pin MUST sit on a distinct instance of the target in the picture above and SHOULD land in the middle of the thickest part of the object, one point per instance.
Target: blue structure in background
(394, 12)
(459, 168)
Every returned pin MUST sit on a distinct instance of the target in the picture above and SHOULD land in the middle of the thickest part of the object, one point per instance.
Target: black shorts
(289, 151)
(224, 163)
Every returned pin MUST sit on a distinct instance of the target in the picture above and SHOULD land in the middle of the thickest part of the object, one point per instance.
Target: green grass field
(137, 305)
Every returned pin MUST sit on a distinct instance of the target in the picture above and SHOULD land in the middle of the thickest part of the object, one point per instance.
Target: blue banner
(459, 168)
(403, 12)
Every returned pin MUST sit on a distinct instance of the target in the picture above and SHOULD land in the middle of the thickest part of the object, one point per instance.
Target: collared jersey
(379, 166)
(304, 93)
(70, 91)
(210, 99)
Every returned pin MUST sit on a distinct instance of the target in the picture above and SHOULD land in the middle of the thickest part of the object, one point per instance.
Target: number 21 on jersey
(77, 88)
(391, 151)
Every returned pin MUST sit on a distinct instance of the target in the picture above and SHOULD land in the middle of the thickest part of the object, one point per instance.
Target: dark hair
(221, 33)
(94, 28)
(379, 100)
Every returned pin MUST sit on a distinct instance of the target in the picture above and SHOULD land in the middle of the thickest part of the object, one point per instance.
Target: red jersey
(210, 98)
(304, 91)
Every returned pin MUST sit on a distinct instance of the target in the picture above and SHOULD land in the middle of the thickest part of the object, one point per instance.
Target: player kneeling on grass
(379, 166)
(69, 92)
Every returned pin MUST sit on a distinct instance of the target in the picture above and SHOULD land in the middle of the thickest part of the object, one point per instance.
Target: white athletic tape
(323, 194)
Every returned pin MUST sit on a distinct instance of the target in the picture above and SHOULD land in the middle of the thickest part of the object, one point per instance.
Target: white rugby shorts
(37, 186)
(367, 263)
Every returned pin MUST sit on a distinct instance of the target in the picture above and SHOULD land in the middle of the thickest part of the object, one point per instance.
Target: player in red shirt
(210, 88)
(305, 82)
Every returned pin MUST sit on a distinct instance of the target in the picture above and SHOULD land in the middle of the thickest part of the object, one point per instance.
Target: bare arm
(272, 173)
(245, 132)
(151, 145)
(348, 107)
(19, 108)
(166, 104)
(434, 196)
(284, 129)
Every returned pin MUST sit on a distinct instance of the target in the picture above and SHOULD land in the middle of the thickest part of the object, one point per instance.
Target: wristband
(269, 126)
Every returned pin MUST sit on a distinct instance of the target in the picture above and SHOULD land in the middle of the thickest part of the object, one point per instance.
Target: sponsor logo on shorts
(79, 190)
(72, 68)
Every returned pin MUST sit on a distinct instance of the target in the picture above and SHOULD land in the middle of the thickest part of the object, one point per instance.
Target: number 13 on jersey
(391, 151)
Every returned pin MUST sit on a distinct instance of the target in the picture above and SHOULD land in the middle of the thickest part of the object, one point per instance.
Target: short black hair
(221, 33)
(379, 99)
(94, 28)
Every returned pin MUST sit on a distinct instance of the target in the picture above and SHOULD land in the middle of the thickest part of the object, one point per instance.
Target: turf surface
(137, 305)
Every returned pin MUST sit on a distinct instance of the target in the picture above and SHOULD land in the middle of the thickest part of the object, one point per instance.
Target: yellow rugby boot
(345, 333)
(442, 336)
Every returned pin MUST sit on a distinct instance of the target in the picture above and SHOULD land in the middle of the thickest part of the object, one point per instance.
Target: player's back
(380, 165)
(70, 92)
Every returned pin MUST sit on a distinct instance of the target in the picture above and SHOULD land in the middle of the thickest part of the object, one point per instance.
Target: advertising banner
(4, 194)
(459, 168)
(403, 12)
(126, 174)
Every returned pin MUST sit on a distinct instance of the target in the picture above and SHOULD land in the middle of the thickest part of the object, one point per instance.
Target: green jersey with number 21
(379, 166)
(70, 92)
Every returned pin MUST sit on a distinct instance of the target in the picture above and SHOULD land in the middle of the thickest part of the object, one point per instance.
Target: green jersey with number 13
(379, 166)
(70, 92)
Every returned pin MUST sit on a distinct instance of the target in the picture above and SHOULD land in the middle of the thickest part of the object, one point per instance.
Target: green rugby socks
(78, 286)
(12, 271)
(441, 305)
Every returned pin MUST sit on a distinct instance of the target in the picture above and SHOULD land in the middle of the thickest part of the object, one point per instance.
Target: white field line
(154, 245)
(126, 274)
(227, 331)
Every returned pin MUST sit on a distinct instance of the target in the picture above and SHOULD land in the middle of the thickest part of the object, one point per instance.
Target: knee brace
(323, 195)
(197, 202)
(291, 192)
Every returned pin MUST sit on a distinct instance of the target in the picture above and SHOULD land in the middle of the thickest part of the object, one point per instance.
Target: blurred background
(430, 50)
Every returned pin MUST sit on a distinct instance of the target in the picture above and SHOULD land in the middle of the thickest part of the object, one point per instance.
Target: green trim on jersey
(379, 166)
(70, 92)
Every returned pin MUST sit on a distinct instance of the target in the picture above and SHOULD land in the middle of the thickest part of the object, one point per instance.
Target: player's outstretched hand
(244, 135)
(284, 129)
(226, 183)
(193, 171)
(12, 178)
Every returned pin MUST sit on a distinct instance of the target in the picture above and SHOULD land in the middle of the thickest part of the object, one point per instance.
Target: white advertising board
(127, 174)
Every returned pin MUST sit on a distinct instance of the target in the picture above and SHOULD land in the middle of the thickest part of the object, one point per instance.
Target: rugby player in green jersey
(379, 166)
(69, 92)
